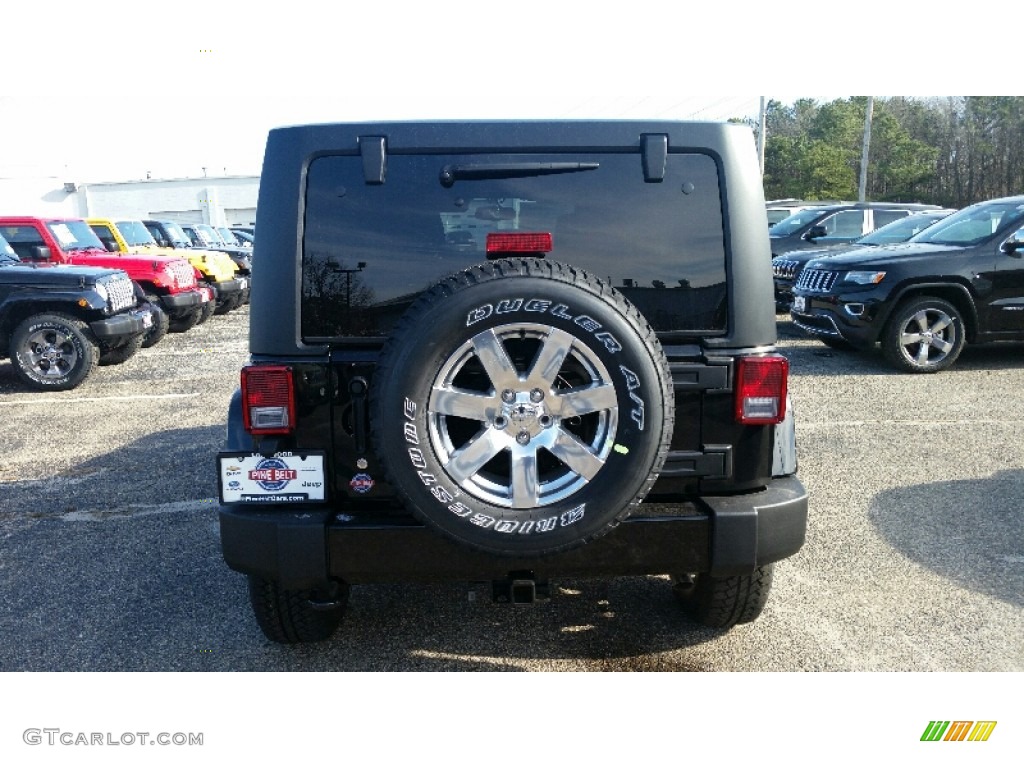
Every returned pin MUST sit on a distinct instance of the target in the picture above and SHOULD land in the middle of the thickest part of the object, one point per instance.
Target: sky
(102, 91)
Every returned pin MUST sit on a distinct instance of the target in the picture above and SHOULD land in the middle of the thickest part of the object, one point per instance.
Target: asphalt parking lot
(914, 559)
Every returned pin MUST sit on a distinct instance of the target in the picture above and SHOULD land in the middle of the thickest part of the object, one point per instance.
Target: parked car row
(77, 293)
(958, 281)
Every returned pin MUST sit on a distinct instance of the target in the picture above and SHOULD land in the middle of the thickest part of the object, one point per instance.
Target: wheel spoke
(495, 360)
(921, 318)
(942, 345)
(469, 459)
(524, 479)
(576, 455)
(922, 354)
(583, 401)
(549, 359)
(907, 339)
(465, 405)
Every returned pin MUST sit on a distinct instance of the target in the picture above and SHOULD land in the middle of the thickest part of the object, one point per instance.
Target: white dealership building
(221, 200)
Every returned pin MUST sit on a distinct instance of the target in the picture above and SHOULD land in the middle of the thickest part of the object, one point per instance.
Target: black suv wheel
(53, 351)
(297, 616)
(924, 336)
(724, 601)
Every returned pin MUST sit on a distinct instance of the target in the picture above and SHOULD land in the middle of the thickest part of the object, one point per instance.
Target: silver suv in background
(824, 225)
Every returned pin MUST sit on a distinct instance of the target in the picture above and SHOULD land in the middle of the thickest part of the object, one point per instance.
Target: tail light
(761, 385)
(268, 400)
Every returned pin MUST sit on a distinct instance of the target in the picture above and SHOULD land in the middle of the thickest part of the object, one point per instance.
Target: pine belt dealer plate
(283, 478)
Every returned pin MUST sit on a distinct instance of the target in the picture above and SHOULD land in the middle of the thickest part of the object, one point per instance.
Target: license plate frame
(281, 478)
(799, 304)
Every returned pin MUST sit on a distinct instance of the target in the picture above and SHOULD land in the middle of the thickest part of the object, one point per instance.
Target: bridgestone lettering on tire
(522, 408)
(53, 352)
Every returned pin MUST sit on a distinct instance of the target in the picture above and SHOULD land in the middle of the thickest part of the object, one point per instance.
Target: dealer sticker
(283, 478)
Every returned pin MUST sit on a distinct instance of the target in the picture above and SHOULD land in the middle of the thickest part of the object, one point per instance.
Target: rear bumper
(723, 535)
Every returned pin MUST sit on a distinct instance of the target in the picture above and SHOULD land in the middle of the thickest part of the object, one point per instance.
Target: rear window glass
(370, 249)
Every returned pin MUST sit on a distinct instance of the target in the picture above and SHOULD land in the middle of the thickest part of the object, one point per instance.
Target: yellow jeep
(213, 269)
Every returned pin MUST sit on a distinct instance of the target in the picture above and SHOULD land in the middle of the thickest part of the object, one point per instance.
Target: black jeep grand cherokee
(507, 352)
(960, 280)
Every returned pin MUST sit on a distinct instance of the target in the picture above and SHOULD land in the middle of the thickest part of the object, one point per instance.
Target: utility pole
(862, 189)
(762, 121)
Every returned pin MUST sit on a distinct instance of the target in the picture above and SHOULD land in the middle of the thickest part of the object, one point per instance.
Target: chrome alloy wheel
(522, 415)
(928, 337)
(51, 353)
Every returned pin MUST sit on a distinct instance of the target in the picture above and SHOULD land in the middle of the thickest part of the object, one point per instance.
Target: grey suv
(509, 352)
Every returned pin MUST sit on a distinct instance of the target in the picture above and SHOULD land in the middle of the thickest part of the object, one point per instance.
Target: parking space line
(126, 398)
(804, 425)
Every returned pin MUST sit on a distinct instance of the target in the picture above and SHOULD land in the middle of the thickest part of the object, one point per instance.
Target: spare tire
(522, 408)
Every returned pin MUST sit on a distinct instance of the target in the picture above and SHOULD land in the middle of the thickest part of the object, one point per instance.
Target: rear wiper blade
(452, 173)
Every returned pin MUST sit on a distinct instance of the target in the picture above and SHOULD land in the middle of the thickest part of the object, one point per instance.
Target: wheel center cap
(525, 416)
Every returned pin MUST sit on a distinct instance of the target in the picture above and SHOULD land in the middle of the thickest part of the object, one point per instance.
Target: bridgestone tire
(122, 353)
(297, 616)
(522, 408)
(724, 601)
(161, 323)
(185, 322)
(923, 336)
(53, 352)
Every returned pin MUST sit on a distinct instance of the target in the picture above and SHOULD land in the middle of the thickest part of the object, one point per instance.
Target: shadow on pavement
(969, 531)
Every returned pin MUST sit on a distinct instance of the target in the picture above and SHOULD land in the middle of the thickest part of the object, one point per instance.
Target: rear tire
(161, 323)
(297, 616)
(723, 602)
(122, 353)
(206, 312)
(186, 322)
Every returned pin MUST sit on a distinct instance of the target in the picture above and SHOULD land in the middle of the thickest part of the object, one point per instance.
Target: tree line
(950, 151)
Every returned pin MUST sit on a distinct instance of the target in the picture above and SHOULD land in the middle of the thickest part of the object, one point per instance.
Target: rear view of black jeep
(510, 352)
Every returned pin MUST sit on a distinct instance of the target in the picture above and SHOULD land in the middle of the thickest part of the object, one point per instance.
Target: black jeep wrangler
(504, 352)
(57, 323)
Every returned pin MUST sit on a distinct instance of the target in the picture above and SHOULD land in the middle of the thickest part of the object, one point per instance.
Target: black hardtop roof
(442, 135)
